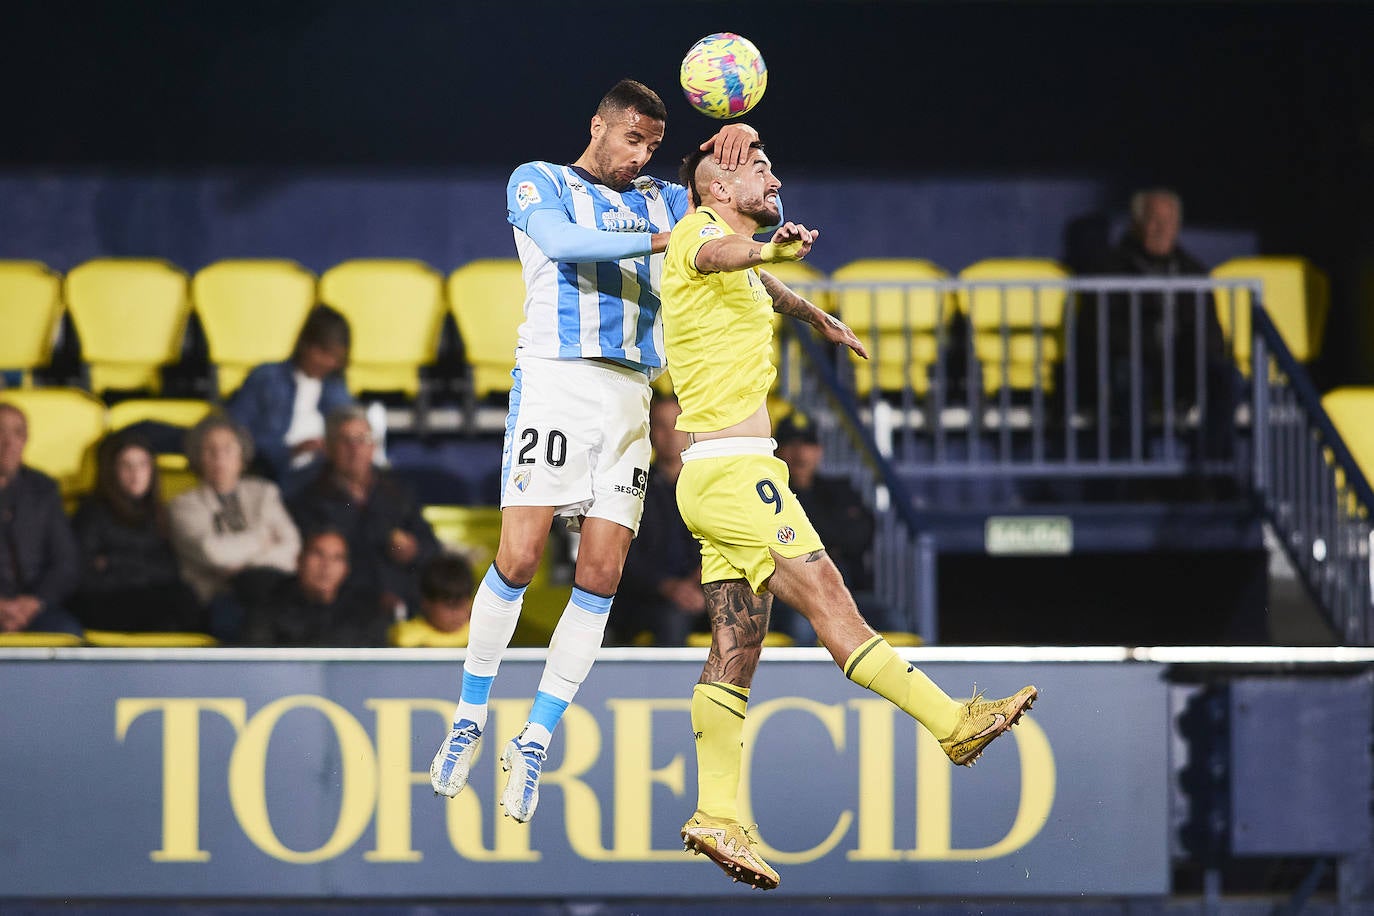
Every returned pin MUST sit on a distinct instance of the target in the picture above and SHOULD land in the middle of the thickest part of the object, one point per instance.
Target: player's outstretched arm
(788, 302)
(563, 240)
(791, 242)
(730, 145)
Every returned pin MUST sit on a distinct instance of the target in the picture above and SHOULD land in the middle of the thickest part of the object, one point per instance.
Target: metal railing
(1137, 380)
(1120, 380)
(1311, 487)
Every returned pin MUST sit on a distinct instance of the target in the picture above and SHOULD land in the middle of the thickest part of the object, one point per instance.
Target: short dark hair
(446, 579)
(633, 95)
(325, 326)
(687, 172)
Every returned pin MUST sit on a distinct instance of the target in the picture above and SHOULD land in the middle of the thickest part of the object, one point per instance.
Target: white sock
(495, 611)
(576, 641)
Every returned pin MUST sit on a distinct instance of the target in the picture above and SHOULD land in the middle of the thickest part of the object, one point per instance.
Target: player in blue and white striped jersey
(590, 236)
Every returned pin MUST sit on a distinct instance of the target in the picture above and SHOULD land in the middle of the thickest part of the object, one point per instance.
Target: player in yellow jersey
(733, 495)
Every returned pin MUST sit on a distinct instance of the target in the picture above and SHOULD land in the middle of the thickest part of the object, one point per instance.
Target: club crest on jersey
(710, 232)
(521, 479)
(786, 534)
(526, 194)
(647, 186)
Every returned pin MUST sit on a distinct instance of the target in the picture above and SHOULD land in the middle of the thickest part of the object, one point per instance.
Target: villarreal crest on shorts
(734, 498)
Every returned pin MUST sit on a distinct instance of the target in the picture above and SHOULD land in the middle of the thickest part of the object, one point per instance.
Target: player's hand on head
(730, 145)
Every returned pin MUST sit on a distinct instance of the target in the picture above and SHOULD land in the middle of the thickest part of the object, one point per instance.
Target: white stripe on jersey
(658, 212)
(588, 296)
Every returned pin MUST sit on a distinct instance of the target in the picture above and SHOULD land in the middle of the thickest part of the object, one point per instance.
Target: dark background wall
(913, 127)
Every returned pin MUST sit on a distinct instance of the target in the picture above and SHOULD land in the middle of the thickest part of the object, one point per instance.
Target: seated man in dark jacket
(283, 405)
(39, 562)
(388, 539)
(317, 607)
(1168, 323)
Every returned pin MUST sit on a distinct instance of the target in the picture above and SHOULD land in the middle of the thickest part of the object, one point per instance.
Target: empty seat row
(1018, 330)
(131, 314)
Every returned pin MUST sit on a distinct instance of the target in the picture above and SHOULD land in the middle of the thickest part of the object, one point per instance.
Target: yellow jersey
(417, 632)
(717, 331)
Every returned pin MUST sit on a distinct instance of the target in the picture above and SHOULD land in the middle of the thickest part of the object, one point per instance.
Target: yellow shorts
(734, 498)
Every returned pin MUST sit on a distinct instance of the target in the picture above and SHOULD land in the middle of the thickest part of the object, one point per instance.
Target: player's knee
(517, 563)
(600, 575)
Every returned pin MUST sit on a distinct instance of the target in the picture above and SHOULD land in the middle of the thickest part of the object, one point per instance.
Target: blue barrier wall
(449, 218)
(284, 776)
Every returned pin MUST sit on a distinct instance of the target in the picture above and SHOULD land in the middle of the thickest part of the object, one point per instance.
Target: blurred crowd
(293, 534)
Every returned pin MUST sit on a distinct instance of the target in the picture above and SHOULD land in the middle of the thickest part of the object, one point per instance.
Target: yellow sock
(718, 722)
(877, 666)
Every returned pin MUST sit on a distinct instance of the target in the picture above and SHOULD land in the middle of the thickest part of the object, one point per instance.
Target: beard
(617, 179)
(761, 211)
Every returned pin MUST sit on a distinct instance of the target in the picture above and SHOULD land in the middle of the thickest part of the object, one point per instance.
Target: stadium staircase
(964, 466)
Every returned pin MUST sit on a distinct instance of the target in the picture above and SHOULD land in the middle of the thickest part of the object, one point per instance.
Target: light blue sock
(544, 717)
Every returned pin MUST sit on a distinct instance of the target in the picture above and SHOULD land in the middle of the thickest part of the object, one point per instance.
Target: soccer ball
(723, 75)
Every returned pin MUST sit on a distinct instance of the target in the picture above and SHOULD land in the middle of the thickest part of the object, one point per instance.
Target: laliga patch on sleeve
(708, 232)
(525, 194)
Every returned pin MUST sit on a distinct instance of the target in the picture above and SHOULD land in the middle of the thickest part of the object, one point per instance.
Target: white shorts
(577, 439)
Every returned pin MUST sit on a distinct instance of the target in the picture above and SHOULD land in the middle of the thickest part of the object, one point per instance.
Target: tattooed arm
(739, 621)
(786, 302)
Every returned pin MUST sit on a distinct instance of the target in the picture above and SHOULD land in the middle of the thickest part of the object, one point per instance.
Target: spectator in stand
(839, 517)
(388, 539)
(231, 533)
(660, 589)
(1151, 249)
(317, 606)
(39, 562)
(283, 405)
(129, 577)
(446, 590)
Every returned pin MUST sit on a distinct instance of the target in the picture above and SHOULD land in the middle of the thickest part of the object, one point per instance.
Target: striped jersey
(606, 309)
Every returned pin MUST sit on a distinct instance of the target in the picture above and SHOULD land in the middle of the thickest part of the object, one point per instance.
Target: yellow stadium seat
(115, 639)
(395, 309)
(1296, 294)
(251, 310)
(30, 309)
(474, 531)
(808, 282)
(1351, 410)
(65, 425)
(184, 412)
(35, 640)
(805, 280)
(1021, 309)
(889, 319)
(488, 301)
(130, 314)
